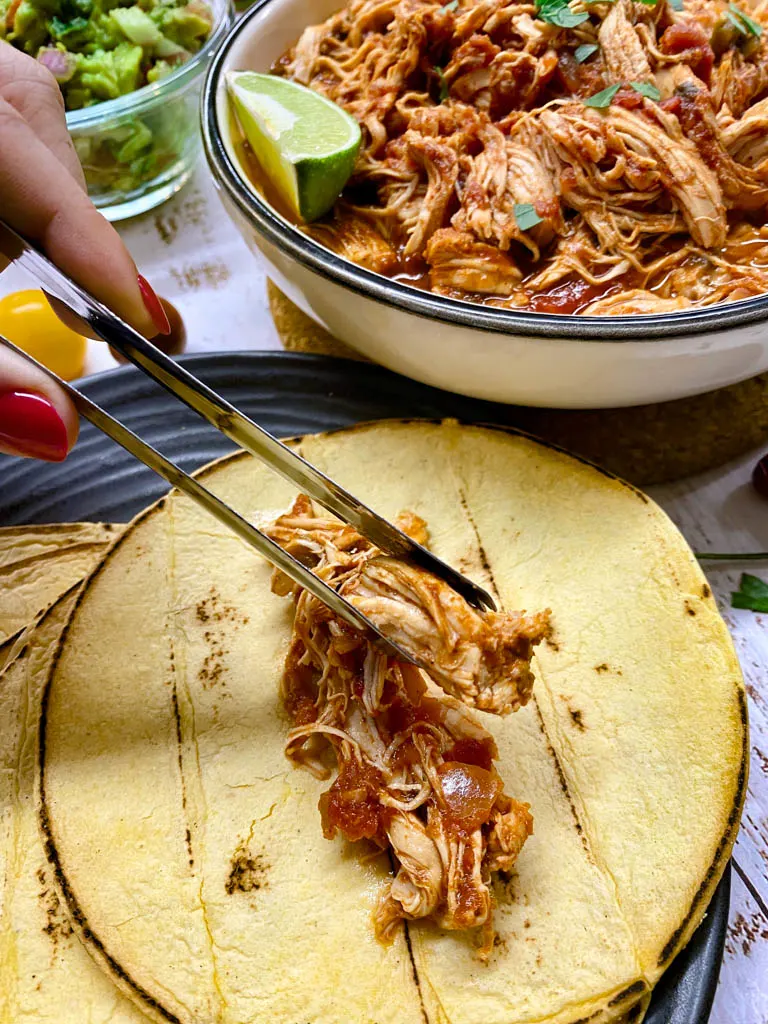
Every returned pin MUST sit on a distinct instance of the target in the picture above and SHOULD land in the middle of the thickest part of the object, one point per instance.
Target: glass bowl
(136, 151)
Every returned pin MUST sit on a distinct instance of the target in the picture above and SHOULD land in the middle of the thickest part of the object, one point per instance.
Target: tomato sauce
(469, 793)
(402, 715)
(569, 296)
(352, 805)
(478, 752)
(689, 38)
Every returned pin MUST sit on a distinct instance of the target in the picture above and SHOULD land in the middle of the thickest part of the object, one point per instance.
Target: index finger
(49, 207)
(32, 90)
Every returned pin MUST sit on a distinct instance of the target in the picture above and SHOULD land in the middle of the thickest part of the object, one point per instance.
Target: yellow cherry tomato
(28, 321)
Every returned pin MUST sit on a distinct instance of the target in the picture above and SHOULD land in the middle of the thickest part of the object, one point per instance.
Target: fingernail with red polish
(154, 306)
(30, 426)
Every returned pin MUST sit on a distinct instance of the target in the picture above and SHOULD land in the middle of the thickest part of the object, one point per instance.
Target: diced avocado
(160, 70)
(101, 50)
(188, 26)
(29, 30)
(169, 51)
(108, 74)
(103, 34)
(137, 26)
(129, 141)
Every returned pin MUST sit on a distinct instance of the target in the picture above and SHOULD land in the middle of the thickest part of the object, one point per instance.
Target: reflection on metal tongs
(240, 429)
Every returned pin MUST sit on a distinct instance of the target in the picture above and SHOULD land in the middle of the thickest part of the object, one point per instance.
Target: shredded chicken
(622, 51)
(415, 766)
(459, 263)
(486, 176)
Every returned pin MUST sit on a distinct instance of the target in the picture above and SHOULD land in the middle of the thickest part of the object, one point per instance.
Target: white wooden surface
(193, 256)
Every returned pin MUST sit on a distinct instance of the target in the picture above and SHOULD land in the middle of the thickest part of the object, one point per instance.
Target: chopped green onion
(582, 53)
(646, 89)
(451, 6)
(649, 3)
(526, 216)
(743, 22)
(603, 98)
(676, 5)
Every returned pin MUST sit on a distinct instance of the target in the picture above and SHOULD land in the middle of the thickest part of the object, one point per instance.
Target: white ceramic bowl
(526, 358)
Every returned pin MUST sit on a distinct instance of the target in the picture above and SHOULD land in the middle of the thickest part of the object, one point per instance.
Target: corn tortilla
(190, 854)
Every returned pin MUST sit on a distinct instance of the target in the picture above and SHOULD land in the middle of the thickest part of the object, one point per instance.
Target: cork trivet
(647, 444)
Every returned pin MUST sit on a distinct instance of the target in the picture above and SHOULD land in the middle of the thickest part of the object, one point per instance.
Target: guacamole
(99, 49)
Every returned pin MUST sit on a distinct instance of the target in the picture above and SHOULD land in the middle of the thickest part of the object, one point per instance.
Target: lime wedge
(305, 144)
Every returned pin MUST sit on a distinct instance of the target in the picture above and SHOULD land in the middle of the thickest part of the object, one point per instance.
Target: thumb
(37, 419)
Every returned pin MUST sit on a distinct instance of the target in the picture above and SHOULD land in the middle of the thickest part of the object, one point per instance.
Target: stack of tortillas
(182, 874)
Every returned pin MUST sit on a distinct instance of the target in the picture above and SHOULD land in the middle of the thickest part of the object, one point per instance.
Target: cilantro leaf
(526, 216)
(754, 604)
(649, 3)
(646, 89)
(443, 96)
(753, 585)
(584, 52)
(743, 22)
(557, 12)
(752, 594)
(63, 30)
(603, 98)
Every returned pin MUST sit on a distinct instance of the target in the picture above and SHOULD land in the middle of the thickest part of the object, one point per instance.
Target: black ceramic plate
(288, 394)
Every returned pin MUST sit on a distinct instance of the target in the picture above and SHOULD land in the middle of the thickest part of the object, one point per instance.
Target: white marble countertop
(193, 256)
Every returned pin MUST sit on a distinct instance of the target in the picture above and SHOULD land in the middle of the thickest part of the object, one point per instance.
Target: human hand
(43, 196)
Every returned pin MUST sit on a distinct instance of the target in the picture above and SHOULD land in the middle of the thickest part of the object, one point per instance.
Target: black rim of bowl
(676, 327)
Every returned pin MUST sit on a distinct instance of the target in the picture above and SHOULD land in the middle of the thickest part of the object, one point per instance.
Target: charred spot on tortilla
(706, 591)
(631, 990)
(481, 552)
(219, 618)
(213, 670)
(213, 609)
(248, 871)
(58, 926)
(577, 719)
(416, 771)
(689, 608)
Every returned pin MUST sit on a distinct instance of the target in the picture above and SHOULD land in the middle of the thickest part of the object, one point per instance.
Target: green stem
(752, 556)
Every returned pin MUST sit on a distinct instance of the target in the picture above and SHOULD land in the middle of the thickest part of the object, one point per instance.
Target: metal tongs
(238, 428)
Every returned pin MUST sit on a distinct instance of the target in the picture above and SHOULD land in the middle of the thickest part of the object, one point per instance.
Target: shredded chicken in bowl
(415, 766)
(595, 158)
